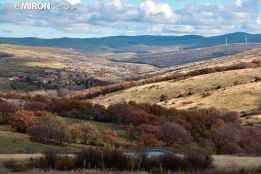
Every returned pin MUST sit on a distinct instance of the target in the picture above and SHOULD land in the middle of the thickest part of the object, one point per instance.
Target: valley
(69, 102)
(34, 68)
(130, 87)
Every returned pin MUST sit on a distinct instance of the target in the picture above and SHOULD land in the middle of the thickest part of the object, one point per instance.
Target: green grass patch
(12, 144)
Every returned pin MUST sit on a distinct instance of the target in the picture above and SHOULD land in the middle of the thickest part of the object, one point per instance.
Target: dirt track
(236, 162)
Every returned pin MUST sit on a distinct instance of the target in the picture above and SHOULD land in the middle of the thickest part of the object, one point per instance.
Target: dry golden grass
(238, 91)
(227, 162)
(236, 98)
(28, 59)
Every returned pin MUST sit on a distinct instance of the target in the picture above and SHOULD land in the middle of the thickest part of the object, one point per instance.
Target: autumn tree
(50, 129)
(149, 140)
(135, 131)
(22, 120)
(227, 139)
(172, 133)
(35, 106)
(109, 136)
(85, 133)
(130, 114)
(6, 110)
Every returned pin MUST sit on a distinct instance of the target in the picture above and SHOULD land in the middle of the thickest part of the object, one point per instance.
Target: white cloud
(158, 11)
(150, 16)
(117, 4)
(73, 2)
(258, 21)
(169, 29)
(239, 2)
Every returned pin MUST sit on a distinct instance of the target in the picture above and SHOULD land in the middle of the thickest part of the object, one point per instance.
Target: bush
(48, 161)
(172, 133)
(51, 160)
(149, 140)
(15, 166)
(85, 133)
(103, 159)
(116, 160)
(22, 120)
(198, 160)
(89, 158)
(130, 113)
(109, 136)
(173, 163)
(50, 129)
(110, 158)
(35, 106)
(6, 110)
(64, 163)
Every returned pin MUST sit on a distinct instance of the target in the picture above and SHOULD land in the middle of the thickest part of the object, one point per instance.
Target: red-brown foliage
(109, 136)
(85, 133)
(35, 106)
(22, 120)
(136, 131)
(49, 129)
(174, 134)
(6, 110)
(149, 140)
(102, 90)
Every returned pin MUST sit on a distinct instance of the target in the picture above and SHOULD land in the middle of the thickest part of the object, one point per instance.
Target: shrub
(172, 162)
(64, 163)
(172, 133)
(15, 166)
(110, 158)
(78, 109)
(109, 136)
(35, 106)
(149, 140)
(22, 120)
(195, 160)
(163, 98)
(116, 160)
(89, 158)
(135, 132)
(226, 139)
(85, 133)
(49, 129)
(6, 110)
(48, 161)
(130, 113)
(232, 117)
(51, 160)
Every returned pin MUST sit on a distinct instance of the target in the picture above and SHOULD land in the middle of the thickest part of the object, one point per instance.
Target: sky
(100, 18)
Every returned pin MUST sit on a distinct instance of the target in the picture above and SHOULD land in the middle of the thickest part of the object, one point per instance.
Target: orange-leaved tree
(22, 120)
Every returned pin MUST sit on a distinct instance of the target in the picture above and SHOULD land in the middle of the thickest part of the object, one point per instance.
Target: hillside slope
(42, 64)
(172, 57)
(234, 90)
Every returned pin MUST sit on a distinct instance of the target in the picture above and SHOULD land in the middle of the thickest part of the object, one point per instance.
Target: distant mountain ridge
(122, 42)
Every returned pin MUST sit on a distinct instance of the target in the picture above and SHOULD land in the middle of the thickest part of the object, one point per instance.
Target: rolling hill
(172, 57)
(33, 68)
(152, 51)
(231, 90)
(132, 43)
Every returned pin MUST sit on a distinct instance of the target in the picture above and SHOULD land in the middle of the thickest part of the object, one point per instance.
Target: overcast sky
(98, 18)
